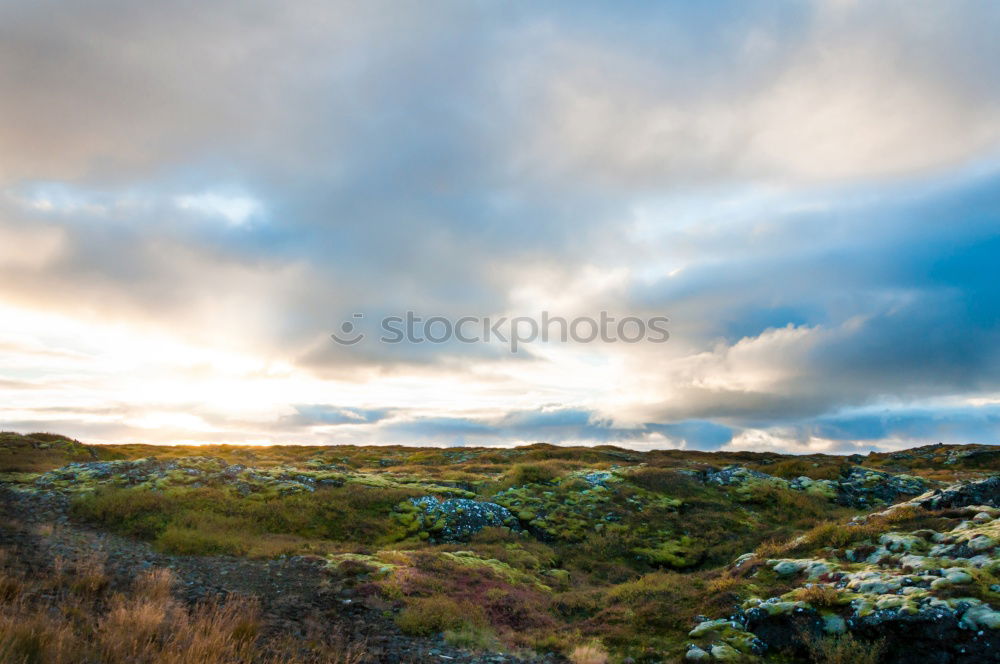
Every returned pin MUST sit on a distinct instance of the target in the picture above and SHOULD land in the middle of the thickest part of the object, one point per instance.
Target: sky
(195, 195)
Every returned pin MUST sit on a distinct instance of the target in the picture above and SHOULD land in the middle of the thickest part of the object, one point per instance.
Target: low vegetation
(70, 615)
(843, 649)
(211, 520)
(597, 555)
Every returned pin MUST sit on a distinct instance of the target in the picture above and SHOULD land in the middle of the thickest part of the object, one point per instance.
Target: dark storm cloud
(944, 424)
(896, 296)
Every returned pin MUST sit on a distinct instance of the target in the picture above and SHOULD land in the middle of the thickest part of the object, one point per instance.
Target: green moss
(18, 478)
(498, 568)
(678, 553)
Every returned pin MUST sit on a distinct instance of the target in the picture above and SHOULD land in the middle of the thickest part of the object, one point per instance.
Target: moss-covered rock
(454, 519)
(921, 586)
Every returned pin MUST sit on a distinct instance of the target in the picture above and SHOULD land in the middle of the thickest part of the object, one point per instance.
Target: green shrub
(208, 533)
(792, 468)
(667, 481)
(195, 541)
(793, 507)
(472, 638)
(529, 473)
(136, 512)
(660, 602)
(430, 615)
(213, 520)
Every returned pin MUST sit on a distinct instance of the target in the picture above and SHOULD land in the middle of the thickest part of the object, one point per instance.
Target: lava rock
(980, 492)
(458, 519)
(731, 475)
(862, 487)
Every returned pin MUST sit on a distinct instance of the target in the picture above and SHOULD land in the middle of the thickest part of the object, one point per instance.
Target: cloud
(945, 424)
(892, 297)
(234, 208)
(864, 91)
(325, 415)
(556, 425)
(694, 434)
(194, 197)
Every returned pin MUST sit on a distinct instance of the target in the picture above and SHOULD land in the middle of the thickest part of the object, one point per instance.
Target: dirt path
(295, 592)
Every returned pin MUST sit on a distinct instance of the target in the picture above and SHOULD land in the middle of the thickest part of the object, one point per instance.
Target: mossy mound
(855, 486)
(937, 586)
(452, 520)
(38, 452)
(196, 472)
(579, 504)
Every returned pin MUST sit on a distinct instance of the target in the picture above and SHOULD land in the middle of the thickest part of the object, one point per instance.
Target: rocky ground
(595, 555)
(295, 591)
(930, 594)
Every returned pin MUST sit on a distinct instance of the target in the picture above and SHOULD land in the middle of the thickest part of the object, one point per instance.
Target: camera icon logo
(348, 336)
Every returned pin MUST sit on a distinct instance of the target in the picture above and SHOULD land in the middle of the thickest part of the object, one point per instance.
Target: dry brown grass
(772, 548)
(44, 529)
(819, 595)
(726, 583)
(165, 633)
(836, 534)
(590, 653)
(32, 636)
(10, 586)
(88, 576)
(155, 584)
(133, 629)
(75, 619)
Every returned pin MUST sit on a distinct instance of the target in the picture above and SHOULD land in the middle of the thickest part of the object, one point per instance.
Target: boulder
(696, 654)
(735, 475)
(979, 492)
(863, 487)
(458, 519)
